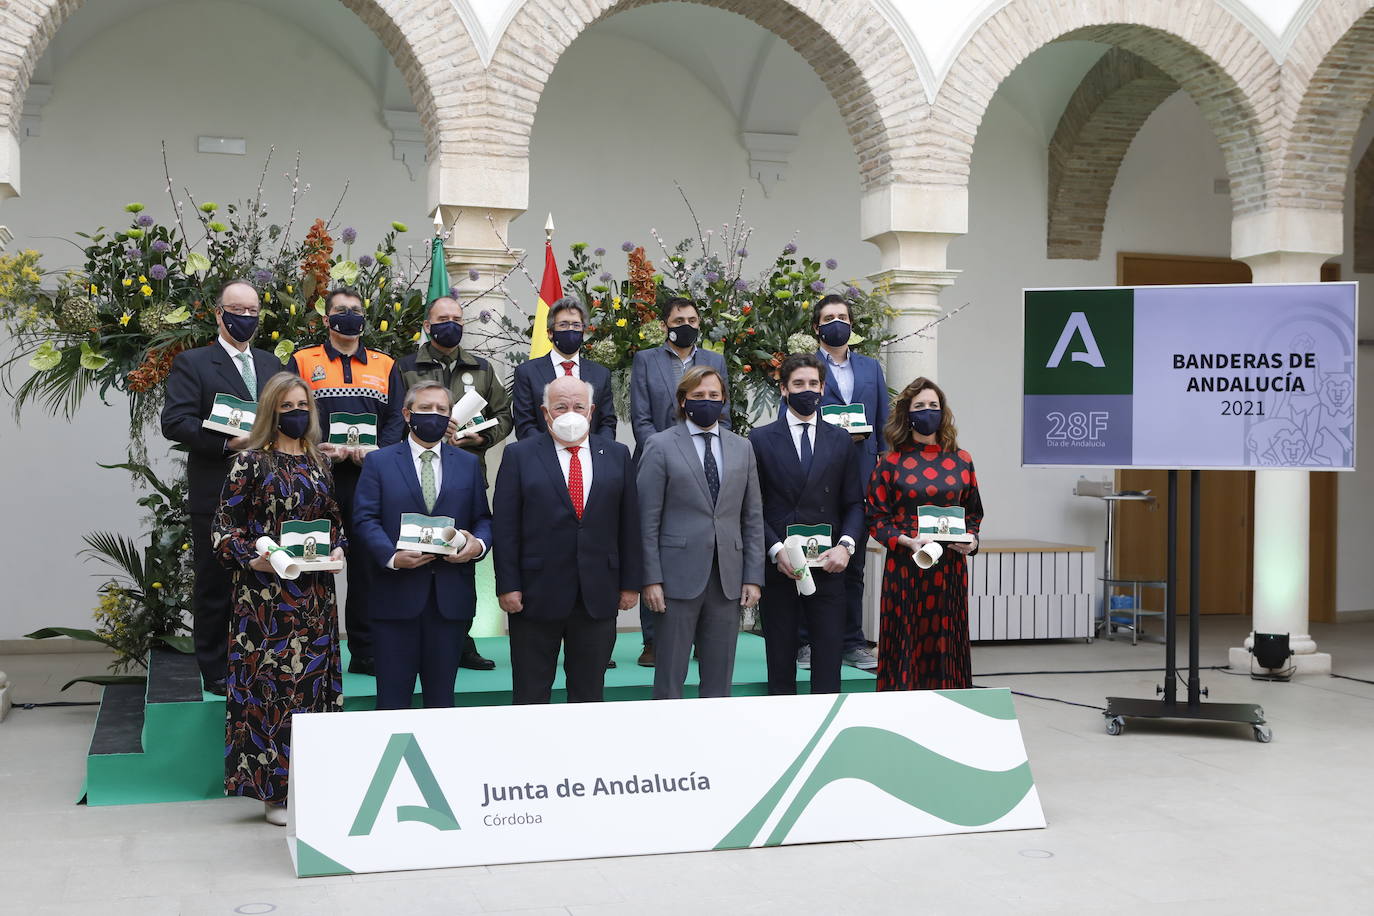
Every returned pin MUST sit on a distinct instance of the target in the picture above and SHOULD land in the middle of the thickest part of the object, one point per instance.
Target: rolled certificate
(468, 406)
(283, 564)
(929, 555)
(795, 550)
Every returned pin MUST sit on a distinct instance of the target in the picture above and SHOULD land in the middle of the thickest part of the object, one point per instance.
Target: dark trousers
(429, 646)
(853, 607)
(646, 624)
(359, 570)
(822, 615)
(586, 642)
(212, 603)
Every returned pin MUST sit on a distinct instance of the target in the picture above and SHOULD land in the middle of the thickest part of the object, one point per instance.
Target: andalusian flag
(438, 272)
(550, 291)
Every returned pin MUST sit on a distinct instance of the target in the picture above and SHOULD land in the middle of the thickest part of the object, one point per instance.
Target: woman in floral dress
(283, 635)
(924, 642)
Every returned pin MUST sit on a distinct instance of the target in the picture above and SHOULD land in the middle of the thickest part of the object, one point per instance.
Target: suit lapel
(601, 473)
(449, 459)
(229, 372)
(689, 454)
(406, 466)
(731, 451)
(820, 450)
(831, 394)
(666, 371)
(786, 453)
(548, 457)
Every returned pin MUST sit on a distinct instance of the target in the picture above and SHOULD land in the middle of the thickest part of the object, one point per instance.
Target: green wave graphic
(993, 702)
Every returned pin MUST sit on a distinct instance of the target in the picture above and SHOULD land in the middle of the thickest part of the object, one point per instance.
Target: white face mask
(570, 426)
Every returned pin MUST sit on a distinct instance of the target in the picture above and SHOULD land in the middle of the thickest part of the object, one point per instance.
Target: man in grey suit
(702, 524)
(654, 378)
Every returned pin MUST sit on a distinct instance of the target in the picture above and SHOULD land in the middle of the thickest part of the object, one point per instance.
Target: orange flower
(747, 309)
(747, 368)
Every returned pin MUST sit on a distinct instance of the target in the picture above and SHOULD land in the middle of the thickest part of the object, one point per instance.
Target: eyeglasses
(569, 326)
(347, 310)
(238, 310)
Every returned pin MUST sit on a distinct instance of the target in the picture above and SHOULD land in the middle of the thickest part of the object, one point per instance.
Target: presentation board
(1242, 377)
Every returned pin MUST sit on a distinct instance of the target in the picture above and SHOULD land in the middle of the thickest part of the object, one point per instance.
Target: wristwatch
(847, 543)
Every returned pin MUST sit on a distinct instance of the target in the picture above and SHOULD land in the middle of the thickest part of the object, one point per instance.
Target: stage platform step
(165, 742)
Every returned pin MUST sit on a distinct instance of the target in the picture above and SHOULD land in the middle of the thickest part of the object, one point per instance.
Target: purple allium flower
(366, 261)
(145, 220)
(789, 248)
(262, 277)
(627, 247)
(741, 286)
(133, 254)
(831, 263)
(817, 286)
(605, 277)
(712, 276)
(600, 252)
(485, 316)
(743, 252)
(853, 292)
(349, 235)
(160, 247)
(473, 274)
(157, 272)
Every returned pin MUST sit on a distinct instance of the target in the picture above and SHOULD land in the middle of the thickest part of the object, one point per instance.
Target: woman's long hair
(898, 429)
(265, 431)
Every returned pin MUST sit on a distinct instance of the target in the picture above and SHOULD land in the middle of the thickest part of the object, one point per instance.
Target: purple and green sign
(1241, 377)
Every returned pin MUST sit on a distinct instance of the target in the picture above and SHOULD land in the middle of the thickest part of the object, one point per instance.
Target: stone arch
(1222, 65)
(1363, 214)
(855, 51)
(1097, 127)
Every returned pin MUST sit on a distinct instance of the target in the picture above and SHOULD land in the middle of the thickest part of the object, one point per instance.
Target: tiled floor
(1195, 818)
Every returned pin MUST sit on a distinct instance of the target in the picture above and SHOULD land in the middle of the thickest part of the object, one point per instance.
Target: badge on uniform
(317, 374)
(231, 416)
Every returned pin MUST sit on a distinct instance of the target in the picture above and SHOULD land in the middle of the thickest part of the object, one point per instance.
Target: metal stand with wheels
(1119, 709)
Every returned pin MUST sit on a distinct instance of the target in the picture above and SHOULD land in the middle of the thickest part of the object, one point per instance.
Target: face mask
(447, 334)
(702, 412)
(835, 333)
(568, 342)
(804, 402)
(429, 427)
(293, 423)
(349, 324)
(684, 335)
(925, 422)
(570, 426)
(240, 327)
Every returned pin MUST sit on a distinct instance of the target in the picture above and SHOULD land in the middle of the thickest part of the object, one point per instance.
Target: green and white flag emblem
(849, 417)
(307, 540)
(815, 540)
(942, 522)
(352, 429)
(231, 415)
(429, 533)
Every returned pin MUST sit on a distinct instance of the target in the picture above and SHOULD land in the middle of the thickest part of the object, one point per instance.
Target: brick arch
(426, 38)
(1363, 213)
(1222, 65)
(1101, 119)
(858, 56)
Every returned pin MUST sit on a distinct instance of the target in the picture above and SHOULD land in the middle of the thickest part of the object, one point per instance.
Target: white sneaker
(804, 658)
(861, 658)
(275, 814)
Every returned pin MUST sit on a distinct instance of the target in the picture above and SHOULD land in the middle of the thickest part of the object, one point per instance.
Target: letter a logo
(435, 812)
(1078, 322)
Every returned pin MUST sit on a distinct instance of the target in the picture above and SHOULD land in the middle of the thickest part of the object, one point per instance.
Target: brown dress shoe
(646, 658)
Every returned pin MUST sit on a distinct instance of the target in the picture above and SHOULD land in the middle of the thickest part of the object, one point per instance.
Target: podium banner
(412, 789)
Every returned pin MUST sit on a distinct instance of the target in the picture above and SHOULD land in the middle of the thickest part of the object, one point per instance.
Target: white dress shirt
(843, 373)
(558, 359)
(583, 458)
(699, 441)
(795, 424)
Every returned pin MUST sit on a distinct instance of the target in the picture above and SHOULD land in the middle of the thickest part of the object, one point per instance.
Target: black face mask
(293, 423)
(835, 333)
(568, 342)
(683, 336)
(925, 422)
(447, 334)
(429, 427)
(804, 402)
(240, 327)
(703, 412)
(349, 324)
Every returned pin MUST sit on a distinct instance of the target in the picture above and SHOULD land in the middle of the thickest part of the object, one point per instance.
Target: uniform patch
(317, 375)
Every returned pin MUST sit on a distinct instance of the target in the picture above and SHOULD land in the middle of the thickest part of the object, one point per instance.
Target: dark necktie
(708, 462)
(806, 449)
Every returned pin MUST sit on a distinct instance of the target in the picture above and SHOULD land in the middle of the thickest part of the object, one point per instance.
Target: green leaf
(176, 315)
(283, 349)
(183, 644)
(197, 263)
(91, 358)
(73, 632)
(346, 271)
(116, 550)
(105, 680)
(46, 358)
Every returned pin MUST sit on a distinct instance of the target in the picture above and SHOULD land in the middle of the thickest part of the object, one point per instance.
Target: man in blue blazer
(567, 326)
(654, 378)
(808, 476)
(850, 378)
(567, 547)
(421, 604)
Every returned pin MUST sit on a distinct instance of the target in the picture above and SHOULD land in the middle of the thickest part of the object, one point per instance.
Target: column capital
(1287, 244)
(913, 226)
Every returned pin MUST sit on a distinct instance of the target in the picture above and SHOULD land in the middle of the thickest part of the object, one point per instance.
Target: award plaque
(352, 429)
(814, 540)
(232, 416)
(848, 417)
(943, 523)
(429, 534)
(308, 543)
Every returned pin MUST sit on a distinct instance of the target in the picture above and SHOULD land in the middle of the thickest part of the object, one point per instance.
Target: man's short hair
(591, 391)
(429, 306)
(349, 291)
(676, 302)
(694, 377)
(237, 281)
(800, 361)
(426, 385)
(567, 304)
(832, 299)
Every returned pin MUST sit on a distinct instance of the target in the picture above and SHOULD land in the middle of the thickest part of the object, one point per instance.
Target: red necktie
(575, 478)
(567, 367)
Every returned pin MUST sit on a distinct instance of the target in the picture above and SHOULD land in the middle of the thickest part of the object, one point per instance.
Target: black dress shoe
(610, 663)
(360, 665)
(473, 661)
(217, 687)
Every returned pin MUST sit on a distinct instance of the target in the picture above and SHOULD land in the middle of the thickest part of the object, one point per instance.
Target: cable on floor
(1346, 677)
(57, 703)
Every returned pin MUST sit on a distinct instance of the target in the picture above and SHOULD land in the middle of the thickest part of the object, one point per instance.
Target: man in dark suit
(808, 476)
(654, 407)
(567, 546)
(421, 604)
(567, 326)
(227, 366)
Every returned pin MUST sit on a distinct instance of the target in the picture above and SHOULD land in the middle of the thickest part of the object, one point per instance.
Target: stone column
(1284, 246)
(912, 228)
(5, 702)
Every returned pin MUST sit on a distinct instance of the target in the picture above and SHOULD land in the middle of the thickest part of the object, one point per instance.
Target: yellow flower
(415, 336)
(383, 325)
(620, 322)
(367, 303)
(124, 319)
(615, 303)
(276, 335)
(396, 307)
(289, 289)
(642, 335)
(293, 305)
(142, 279)
(382, 282)
(146, 290)
(94, 289)
(267, 296)
(185, 546)
(157, 585)
(128, 282)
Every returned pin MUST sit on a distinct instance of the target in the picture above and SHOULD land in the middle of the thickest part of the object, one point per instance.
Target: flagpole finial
(548, 229)
(438, 221)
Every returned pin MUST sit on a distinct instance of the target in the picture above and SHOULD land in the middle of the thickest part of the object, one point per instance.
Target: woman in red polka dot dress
(923, 644)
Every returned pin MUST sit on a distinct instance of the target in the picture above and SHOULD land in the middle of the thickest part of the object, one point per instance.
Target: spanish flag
(550, 291)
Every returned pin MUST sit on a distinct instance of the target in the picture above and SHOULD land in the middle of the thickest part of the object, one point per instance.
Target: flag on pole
(438, 271)
(550, 291)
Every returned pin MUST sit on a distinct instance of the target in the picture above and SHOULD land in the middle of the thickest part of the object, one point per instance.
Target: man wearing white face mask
(566, 546)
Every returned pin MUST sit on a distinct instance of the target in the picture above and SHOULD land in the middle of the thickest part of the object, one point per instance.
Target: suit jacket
(831, 494)
(683, 532)
(541, 547)
(653, 392)
(527, 396)
(197, 376)
(388, 486)
(870, 390)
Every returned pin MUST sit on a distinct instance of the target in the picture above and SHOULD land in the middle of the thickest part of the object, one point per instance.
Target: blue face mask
(429, 427)
(293, 423)
(835, 333)
(925, 422)
(447, 334)
(240, 327)
(568, 342)
(349, 324)
(804, 402)
(703, 412)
